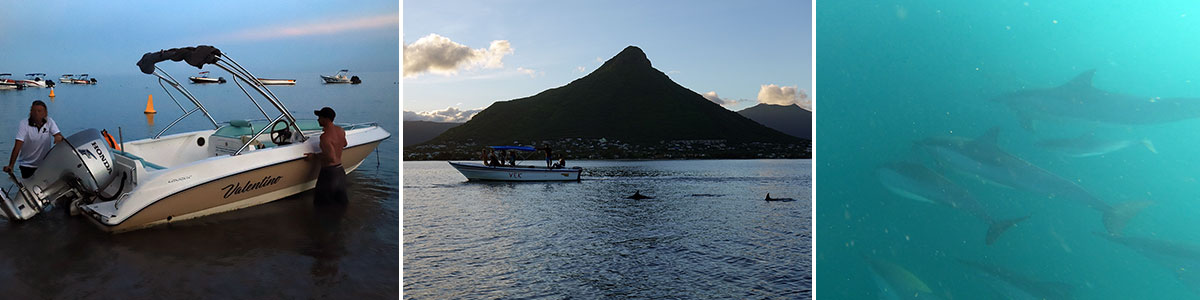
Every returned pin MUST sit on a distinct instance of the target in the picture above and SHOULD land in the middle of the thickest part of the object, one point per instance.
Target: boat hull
(331, 79)
(242, 190)
(479, 172)
(206, 80)
(266, 81)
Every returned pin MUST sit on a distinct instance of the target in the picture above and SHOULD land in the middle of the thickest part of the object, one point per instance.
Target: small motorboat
(341, 77)
(268, 81)
(66, 79)
(9, 84)
(203, 78)
(510, 170)
(128, 185)
(83, 79)
(36, 80)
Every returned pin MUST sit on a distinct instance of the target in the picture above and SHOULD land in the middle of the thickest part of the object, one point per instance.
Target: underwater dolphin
(1183, 259)
(1090, 145)
(1079, 100)
(917, 182)
(983, 158)
(1016, 286)
(896, 282)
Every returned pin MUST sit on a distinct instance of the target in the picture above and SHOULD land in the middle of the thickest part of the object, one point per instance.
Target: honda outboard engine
(80, 166)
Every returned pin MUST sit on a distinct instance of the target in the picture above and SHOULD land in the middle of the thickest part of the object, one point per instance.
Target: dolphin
(896, 282)
(778, 199)
(917, 182)
(1080, 100)
(1016, 286)
(1090, 145)
(983, 158)
(1183, 259)
(638, 196)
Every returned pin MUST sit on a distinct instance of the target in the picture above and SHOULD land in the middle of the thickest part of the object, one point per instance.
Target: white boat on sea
(514, 172)
(128, 185)
(270, 81)
(341, 77)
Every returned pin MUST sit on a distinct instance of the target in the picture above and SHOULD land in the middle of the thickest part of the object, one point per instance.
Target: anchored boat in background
(500, 169)
(203, 78)
(124, 186)
(9, 84)
(268, 81)
(341, 77)
(37, 80)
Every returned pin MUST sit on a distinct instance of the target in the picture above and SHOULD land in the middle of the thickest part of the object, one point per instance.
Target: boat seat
(145, 163)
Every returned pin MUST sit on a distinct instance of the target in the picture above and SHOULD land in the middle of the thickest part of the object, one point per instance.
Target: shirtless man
(331, 181)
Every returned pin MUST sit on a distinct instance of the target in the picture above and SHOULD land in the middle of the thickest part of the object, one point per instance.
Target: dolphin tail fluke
(998, 227)
(1149, 146)
(1116, 217)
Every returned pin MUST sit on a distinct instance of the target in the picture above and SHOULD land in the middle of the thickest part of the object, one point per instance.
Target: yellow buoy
(150, 105)
(51, 92)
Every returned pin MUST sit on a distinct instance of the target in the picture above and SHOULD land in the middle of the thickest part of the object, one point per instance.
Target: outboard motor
(80, 166)
(355, 80)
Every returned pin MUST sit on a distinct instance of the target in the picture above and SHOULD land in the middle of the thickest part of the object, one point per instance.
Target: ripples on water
(706, 234)
(285, 249)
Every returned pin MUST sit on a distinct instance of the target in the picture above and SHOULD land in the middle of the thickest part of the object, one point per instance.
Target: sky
(461, 56)
(275, 37)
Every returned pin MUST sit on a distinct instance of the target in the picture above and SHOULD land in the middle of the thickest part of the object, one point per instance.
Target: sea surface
(289, 248)
(892, 73)
(707, 233)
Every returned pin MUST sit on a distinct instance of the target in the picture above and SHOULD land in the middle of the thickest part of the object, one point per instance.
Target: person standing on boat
(548, 160)
(35, 136)
(331, 180)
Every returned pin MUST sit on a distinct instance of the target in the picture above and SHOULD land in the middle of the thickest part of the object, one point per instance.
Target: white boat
(66, 79)
(203, 78)
(341, 77)
(267, 81)
(512, 171)
(122, 186)
(83, 79)
(36, 80)
(9, 84)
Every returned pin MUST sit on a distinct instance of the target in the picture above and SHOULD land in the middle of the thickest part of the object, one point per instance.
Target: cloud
(712, 96)
(315, 28)
(531, 72)
(449, 115)
(783, 95)
(438, 54)
(581, 69)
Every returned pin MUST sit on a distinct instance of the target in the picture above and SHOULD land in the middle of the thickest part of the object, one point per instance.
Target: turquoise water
(894, 72)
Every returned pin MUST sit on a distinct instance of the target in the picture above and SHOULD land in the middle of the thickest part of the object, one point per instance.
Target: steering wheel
(281, 136)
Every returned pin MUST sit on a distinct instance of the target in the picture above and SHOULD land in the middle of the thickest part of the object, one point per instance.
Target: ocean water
(706, 234)
(285, 249)
(891, 73)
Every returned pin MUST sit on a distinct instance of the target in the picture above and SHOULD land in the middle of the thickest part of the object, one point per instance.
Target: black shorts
(27, 172)
(331, 185)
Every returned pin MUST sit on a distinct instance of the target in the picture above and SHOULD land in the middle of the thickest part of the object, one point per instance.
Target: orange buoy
(150, 105)
(51, 92)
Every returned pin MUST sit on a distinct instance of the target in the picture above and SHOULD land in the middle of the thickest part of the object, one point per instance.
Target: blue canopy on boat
(522, 148)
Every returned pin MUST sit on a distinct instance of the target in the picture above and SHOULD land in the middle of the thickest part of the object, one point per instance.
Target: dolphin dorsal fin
(1083, 80)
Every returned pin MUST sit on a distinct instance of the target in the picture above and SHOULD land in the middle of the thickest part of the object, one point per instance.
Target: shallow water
(706, 234)
(895, 72)
(285, 249)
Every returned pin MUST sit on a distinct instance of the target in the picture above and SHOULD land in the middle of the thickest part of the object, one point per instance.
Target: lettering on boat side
(514, 174)
(174, 180)
(238, 188)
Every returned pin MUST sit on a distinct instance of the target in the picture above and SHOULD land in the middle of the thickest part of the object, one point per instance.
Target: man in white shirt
(35, 136)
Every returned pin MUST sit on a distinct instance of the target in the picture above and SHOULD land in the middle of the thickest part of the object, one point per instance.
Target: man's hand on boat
(8, 169)
(310, 156)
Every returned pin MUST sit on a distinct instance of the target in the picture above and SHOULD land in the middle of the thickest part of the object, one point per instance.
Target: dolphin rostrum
(1079, 100)
(1090, 145)
(1183, 259)
(917, 182)
(1016, 286)
(983, 158)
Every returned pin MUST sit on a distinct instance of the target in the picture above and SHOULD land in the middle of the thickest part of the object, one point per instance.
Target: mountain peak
(630, 56)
